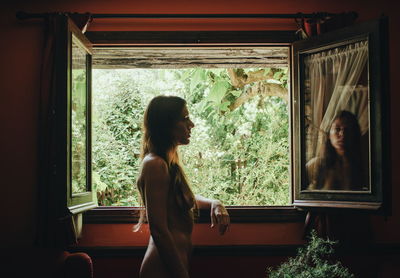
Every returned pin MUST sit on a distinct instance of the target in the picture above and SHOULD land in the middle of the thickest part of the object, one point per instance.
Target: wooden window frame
(75, 202)
(239, 214)
(377, 199)
(243, 214)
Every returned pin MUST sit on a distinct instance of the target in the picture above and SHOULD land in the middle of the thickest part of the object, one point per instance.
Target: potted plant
(312, 261)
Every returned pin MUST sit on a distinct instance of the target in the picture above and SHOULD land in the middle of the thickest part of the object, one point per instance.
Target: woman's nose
(340, 132)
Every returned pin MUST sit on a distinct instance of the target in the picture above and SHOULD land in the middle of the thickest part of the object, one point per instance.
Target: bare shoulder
(154, 161)
(313, 162)
(154, 165)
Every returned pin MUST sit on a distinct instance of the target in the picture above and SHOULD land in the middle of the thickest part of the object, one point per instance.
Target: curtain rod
(24, 15)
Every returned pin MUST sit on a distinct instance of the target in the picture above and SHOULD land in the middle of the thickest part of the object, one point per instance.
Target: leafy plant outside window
(239, 150)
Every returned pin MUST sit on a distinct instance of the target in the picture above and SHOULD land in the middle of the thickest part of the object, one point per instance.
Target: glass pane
(336, 112)
(78, 117)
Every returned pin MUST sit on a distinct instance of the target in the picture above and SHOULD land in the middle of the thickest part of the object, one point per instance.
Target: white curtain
(333, 82)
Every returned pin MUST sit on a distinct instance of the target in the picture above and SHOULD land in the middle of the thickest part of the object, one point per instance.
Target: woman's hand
(219, 216)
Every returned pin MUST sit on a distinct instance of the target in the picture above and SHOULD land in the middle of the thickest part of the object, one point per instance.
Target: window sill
(106, 215)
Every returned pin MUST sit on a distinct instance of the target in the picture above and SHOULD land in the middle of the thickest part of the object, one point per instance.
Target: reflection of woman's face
(340, 136)
(181, 132)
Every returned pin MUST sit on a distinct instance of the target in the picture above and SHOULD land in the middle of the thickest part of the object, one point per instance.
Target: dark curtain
(55, 227)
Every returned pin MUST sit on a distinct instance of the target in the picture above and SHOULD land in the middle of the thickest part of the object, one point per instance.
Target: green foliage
(240, 156)
(116, 141)
(78, 134)
(313, 261)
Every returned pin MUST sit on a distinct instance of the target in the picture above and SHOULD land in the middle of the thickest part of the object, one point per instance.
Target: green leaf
(218, 91)
(266, 71)
(197, 78)
(236, 93)
(224, 106)
(100, 186)
(186, 74)
(203, 105)
(277, 75)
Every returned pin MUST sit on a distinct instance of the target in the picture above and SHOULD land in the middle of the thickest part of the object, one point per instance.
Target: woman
(165, 192)
(339, 167)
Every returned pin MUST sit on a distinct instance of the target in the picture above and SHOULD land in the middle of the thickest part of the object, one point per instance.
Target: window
(341, 84)
(73, 121)
(238, 98)
(374, 33)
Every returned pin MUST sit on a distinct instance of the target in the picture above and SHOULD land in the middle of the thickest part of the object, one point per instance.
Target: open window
(238, 96)
(363, 94)
(238, 99)
(340, 117)
(73, 99)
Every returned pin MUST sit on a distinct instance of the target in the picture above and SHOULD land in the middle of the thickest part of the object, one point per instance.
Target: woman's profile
(339, 165)
(165, 192)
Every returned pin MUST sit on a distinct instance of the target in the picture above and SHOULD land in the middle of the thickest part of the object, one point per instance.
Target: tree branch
(262, 89)
(239, 78)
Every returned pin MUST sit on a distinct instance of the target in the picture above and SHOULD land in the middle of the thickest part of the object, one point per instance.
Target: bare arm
(218, 213)
(156, 178)
(311, 168)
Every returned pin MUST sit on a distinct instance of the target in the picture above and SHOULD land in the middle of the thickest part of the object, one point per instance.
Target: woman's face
(340, 135)
(181, 132)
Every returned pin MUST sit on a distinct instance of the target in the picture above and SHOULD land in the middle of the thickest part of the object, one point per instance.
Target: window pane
(336, 96)
(239, 150)
(78, 117)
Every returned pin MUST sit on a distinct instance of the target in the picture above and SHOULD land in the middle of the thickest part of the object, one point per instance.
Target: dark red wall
(21, 50)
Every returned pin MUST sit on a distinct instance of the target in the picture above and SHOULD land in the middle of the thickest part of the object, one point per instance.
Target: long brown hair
(160, 117)
(352, 152)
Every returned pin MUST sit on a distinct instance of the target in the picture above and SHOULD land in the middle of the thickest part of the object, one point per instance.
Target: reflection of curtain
(334, 75)
(56, 227)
